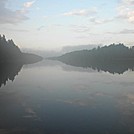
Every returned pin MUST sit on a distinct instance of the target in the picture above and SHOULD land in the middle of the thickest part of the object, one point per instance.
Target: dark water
(53, 98)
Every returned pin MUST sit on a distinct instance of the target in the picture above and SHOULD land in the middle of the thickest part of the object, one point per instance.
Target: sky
(53, 24)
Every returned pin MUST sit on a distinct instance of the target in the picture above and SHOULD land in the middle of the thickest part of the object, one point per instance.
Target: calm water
(53, 98)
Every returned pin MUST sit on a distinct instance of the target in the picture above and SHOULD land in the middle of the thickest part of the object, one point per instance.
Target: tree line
(8, 50)
(113, 52)
(115, 58)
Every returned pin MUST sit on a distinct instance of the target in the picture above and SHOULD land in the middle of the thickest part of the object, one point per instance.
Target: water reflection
(8, 71)
(51, 97)
(112, 67)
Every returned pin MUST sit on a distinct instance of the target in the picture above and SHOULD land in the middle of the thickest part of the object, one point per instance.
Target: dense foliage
(110, 53)
(8, 50)
(115, 58)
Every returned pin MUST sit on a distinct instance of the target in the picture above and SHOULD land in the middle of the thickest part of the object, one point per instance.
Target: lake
(51, 97)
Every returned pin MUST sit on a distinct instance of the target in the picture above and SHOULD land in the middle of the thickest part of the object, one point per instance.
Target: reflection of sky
(49, 93)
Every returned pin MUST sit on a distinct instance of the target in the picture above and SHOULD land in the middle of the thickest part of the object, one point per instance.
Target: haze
(53, 24)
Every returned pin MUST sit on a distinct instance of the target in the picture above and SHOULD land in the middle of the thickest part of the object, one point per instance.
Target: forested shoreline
(9, 52)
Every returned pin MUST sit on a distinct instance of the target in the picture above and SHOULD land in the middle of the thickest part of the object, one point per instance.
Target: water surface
(51, 97)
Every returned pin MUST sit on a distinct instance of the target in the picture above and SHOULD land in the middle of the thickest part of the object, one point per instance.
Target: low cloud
(127, 31)
(9, 16)
(29, 4)
(100, 21)
(128, 2)
(15, 30)
(80, 28)
(40, 28)
(81, 12)
(124, 31)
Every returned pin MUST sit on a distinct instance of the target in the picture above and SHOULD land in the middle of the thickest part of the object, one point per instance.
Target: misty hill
(9, 52)
(67, 49)
(113, 52)
(43, 53)
(115, 58)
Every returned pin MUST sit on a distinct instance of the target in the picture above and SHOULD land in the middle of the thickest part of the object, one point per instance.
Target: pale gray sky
(52, 24)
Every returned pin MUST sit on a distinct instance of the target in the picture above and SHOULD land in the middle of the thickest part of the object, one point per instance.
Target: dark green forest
(9, 52)
(12, 60)
(113, 52)
(115, 58)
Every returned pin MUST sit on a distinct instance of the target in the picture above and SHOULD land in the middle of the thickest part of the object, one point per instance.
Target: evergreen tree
(8, 50)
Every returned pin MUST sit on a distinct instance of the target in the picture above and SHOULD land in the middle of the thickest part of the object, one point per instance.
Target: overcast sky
(51, 24)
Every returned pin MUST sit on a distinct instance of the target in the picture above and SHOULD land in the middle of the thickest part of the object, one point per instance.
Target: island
(114, 58)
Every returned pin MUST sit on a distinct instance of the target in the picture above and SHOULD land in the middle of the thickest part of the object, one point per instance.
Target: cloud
(127, 31)
(15, 30)
(40, 28)
(128, 2)
(80, 28)
(81, 12)
(124, 31)
(100, 21)
(45, 17)
(29, 4)
(9, 16)
(126, 10)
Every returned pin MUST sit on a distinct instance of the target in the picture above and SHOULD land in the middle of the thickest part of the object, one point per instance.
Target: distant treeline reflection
(8, 71)
(112, 67)
(115, 58)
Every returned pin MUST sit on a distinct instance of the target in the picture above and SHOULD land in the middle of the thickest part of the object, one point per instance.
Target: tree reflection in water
(113, 67)
(8, 71)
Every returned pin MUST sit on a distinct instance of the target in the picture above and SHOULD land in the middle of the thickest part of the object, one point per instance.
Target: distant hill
(43, 53)
(107, 53)
(9, 52)
(67, 49)
(115, 58)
